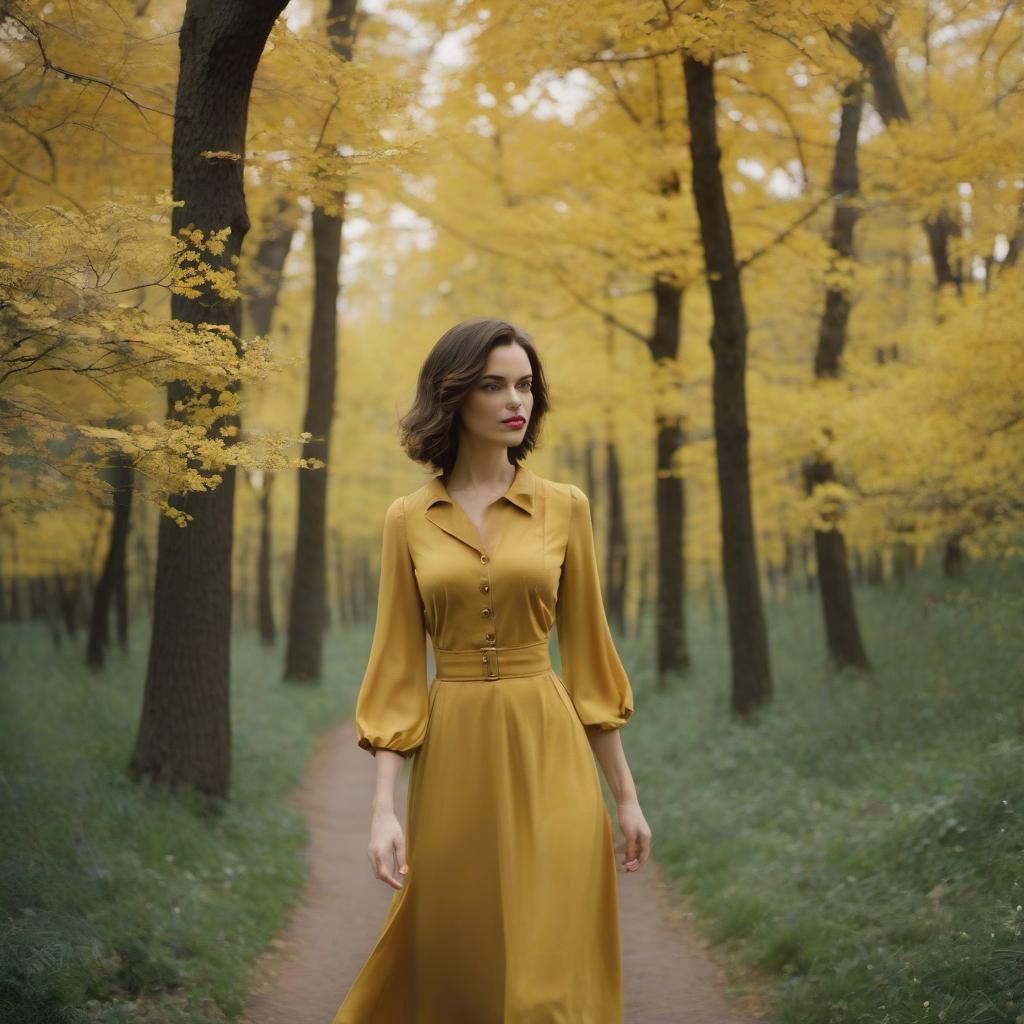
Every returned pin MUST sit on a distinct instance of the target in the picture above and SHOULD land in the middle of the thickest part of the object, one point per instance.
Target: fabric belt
(489, 663)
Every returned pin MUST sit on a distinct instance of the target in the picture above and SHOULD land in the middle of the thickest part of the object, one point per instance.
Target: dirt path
(669, 978)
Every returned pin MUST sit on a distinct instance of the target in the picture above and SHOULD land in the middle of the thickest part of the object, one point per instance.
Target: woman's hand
(635, 847)
(387, 847)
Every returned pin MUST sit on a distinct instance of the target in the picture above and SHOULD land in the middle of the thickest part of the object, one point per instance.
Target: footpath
(670, 977)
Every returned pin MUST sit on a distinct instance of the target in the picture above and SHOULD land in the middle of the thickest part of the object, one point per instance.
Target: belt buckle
(490, 659)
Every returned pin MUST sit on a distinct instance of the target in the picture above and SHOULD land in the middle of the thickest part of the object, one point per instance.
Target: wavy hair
(429, 431)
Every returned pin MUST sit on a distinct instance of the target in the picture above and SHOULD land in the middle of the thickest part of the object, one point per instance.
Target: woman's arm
(387, 841)
(636, 846)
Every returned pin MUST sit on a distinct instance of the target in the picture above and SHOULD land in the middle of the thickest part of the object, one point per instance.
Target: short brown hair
(429, 430)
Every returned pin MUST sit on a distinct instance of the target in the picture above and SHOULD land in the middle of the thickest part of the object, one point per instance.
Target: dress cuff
(609, 724)
(395, 746)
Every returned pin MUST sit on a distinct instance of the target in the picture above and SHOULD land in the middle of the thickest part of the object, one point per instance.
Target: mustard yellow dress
(509, 911)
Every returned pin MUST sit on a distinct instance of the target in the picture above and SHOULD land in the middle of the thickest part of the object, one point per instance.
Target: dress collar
(520, 492)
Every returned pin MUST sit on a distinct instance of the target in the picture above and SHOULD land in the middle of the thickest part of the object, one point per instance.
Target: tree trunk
(306, 619)
(835, 588)
(672, 653)
(264, 586)
(184, 737)
(838, 606)
(112, 579)
(643, 599)
(261, 302)
(845, 185)
(617, 562)
(69, 601)
(866, 44)
(748, 634)
(616, 574)
(954, 558)
(307, 616)
(272, 252)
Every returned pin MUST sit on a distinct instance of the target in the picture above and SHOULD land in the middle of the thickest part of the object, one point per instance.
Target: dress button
(485, 612)
(484, 587)
(484, 559)
(489, 637)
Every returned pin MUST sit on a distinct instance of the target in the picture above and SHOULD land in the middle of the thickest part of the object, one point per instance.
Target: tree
(866, 43)
(308, 609)
(748, 634)
(184, 736)
(113, 579)
(839, 609)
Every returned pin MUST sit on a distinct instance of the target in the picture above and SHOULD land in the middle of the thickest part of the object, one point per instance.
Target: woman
(506, 909)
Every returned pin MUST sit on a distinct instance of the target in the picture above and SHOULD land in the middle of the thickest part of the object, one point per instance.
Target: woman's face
(503, 391)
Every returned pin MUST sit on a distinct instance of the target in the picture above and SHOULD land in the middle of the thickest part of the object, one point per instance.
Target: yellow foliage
(544, 178)
(77, 356)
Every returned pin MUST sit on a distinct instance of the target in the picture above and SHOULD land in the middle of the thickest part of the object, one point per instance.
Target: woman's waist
(490, 661)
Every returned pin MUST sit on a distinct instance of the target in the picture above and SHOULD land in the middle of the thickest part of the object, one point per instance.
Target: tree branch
(786, 232)
(48, 65)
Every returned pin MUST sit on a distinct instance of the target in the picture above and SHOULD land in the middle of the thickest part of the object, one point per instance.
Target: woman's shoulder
(562, 487)
(420, 498)
(569, 493)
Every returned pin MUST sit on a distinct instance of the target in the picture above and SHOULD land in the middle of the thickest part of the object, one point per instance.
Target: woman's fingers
(382, 871)
(387, 849)
(635, 848)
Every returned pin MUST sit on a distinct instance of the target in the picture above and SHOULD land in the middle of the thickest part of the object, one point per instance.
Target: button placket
(489, 655)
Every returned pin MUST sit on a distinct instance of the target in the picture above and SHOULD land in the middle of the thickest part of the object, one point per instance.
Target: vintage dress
(509, 910)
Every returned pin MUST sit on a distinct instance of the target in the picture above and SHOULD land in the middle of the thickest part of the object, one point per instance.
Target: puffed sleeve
(391, 709)
(591, 669)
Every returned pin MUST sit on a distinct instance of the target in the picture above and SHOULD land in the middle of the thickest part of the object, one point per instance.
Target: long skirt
(509, 911)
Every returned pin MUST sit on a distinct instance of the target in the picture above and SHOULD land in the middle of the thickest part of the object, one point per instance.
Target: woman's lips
(515, 422)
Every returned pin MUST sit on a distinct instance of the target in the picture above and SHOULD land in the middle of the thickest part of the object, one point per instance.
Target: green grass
(121, 904)
(858, 850)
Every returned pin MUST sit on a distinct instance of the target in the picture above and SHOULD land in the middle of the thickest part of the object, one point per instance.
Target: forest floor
(670, 976)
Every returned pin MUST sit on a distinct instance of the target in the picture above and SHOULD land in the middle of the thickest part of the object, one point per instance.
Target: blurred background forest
(770, 255)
